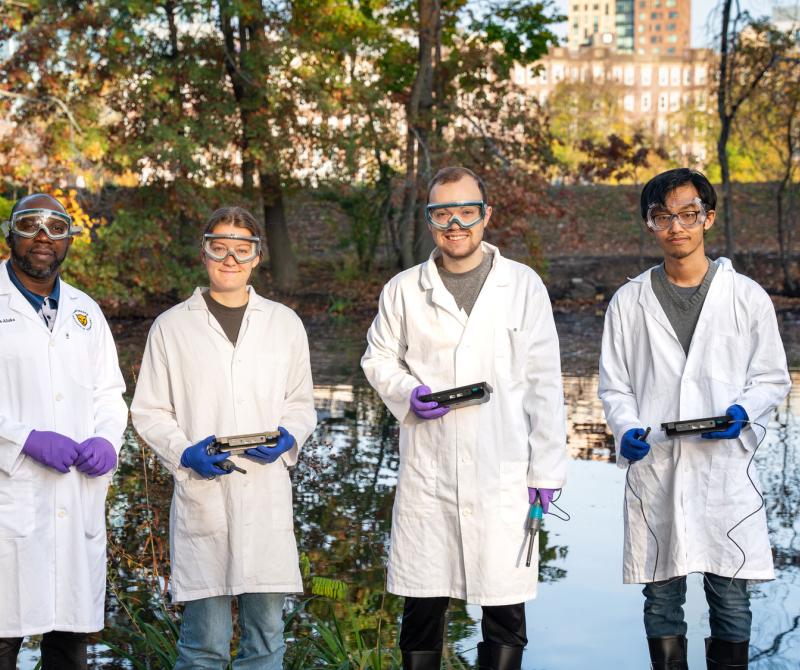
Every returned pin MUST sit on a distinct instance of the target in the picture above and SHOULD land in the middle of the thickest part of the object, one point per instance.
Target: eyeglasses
(464, 214)
(690, 215)
(28, 222)
(244, 250)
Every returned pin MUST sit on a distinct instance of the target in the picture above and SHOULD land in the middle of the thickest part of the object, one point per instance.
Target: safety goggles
(464, 214)
(28, 223)
(689, 214)
(244, 248)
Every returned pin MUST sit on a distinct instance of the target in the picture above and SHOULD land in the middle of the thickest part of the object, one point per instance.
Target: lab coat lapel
(650, 304)
(197, 301)
(440, 296)
(16, 301)
(489, 303)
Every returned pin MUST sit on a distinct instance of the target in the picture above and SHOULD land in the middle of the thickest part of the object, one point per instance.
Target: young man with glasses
(61, 425)
(688, 339)
(467, 475)
(224, 363)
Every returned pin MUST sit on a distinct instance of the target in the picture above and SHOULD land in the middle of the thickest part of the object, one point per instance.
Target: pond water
(583, 616)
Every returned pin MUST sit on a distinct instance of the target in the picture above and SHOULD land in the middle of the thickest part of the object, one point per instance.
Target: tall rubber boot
(725, 655)
(422, 660)
(9, 648)
(499, 656)
(668, 653)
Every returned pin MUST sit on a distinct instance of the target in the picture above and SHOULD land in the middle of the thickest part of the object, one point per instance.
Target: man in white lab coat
(228, 362)
(61, 422)
(467, 475)
(691, 338)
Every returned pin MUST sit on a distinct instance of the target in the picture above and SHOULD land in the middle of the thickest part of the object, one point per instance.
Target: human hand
(271, 454)
(545, 497)
(739, 419)
(426, 410)
(96, 457)
(51, 449)
(204, 464)
(633, 446)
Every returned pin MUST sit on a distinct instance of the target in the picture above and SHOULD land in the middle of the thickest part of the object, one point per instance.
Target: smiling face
(229, 276)
(456, 243)
(676, 241)
(38, 257)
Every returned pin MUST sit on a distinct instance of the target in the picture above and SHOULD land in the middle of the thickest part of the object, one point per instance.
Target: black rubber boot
(499, 656)
(668, 653)
(9, 648)
(422, 660)
(725, 655)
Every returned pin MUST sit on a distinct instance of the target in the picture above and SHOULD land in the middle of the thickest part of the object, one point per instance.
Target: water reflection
(344, 490)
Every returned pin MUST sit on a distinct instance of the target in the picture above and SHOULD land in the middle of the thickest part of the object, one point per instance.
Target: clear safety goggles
(28, 223)
(464, 214)
(689, 214)
(243, 248)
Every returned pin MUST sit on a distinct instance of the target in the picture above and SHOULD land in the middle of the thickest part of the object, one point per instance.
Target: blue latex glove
(739, 416)
(545, 497)
(633, 447)
(271, 454)
(198, 459)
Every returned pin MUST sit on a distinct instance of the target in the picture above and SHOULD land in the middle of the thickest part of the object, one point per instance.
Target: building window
(628, 102)
(672, 39)
(642, 17)
(543, 75)
(654, 16)
(616, 73)
(645, 102)
(596, 8)
(675, 75)
(642, 5)
(663, 102)
(576, 8)
(597, 73)
(673, 15)
(700, 74)
(687, 76)
(653, 40)
(656, 51)
(670, 26)
(641, 28)
(658, 27)
(606, 9)
(629, 77)
(674, 101)
(671, 3)
(663, 76)
(647, 75)
(671, 50)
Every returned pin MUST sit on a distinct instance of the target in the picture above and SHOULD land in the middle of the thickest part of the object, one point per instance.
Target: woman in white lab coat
(228, 362)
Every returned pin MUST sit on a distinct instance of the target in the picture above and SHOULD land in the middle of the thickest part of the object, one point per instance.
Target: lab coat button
(467, 512)
(59, 396)
(61, 514)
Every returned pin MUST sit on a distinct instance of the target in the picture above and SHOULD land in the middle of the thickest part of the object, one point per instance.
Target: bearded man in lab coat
(688, 339)
(61, 426)
(228, 362)
(467, 475)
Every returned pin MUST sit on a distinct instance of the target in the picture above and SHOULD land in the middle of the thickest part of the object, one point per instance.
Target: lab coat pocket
(727, 360)
(511, 353)
(200, 507)
(731, 495)
(93, 502)
(17, 514)
(416, 486)
(513, 488)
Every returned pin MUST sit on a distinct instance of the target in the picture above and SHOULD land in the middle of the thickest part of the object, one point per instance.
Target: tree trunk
(725, 118)
(282, 262)
(727, 194)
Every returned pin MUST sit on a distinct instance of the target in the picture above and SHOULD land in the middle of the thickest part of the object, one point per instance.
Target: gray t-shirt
(466, 286)
(682, 304)
(230, 318)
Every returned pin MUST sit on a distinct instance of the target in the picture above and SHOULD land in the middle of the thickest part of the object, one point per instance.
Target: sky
(702, 11)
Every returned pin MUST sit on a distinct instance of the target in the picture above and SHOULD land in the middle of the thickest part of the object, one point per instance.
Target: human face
(38, 257)
(459, 243)
(677, 241)
(229, 276)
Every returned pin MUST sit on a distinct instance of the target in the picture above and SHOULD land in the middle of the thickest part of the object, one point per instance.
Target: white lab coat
(52, 525)
(462, 500)
(232, 534)
(693, 490)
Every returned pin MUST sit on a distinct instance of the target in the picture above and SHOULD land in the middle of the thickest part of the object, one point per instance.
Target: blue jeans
(728, 605)
(207, 627)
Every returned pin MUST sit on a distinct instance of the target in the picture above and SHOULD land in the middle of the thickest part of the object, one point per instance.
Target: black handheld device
(474, 394)
(239, 443)
(692, 426)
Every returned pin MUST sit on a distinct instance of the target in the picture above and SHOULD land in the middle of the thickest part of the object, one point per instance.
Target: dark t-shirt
(230, 318)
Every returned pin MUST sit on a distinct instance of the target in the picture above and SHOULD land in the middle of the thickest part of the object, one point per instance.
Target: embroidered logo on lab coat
(82, 319)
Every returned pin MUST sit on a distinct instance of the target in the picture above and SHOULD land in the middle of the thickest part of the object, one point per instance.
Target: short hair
(655, 191)
(31, 196)
(234, 216)
(449, 175)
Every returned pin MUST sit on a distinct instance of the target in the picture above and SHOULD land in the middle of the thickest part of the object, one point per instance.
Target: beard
(26, 264)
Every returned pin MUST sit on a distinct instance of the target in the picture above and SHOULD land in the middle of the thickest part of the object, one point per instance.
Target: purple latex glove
(271, 454)
(51, 449)
(426, 410)
(545, 497)
(96, 457)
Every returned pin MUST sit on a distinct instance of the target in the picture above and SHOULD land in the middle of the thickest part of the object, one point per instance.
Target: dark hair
(655, 191)
(234, 216)
(449, 175)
